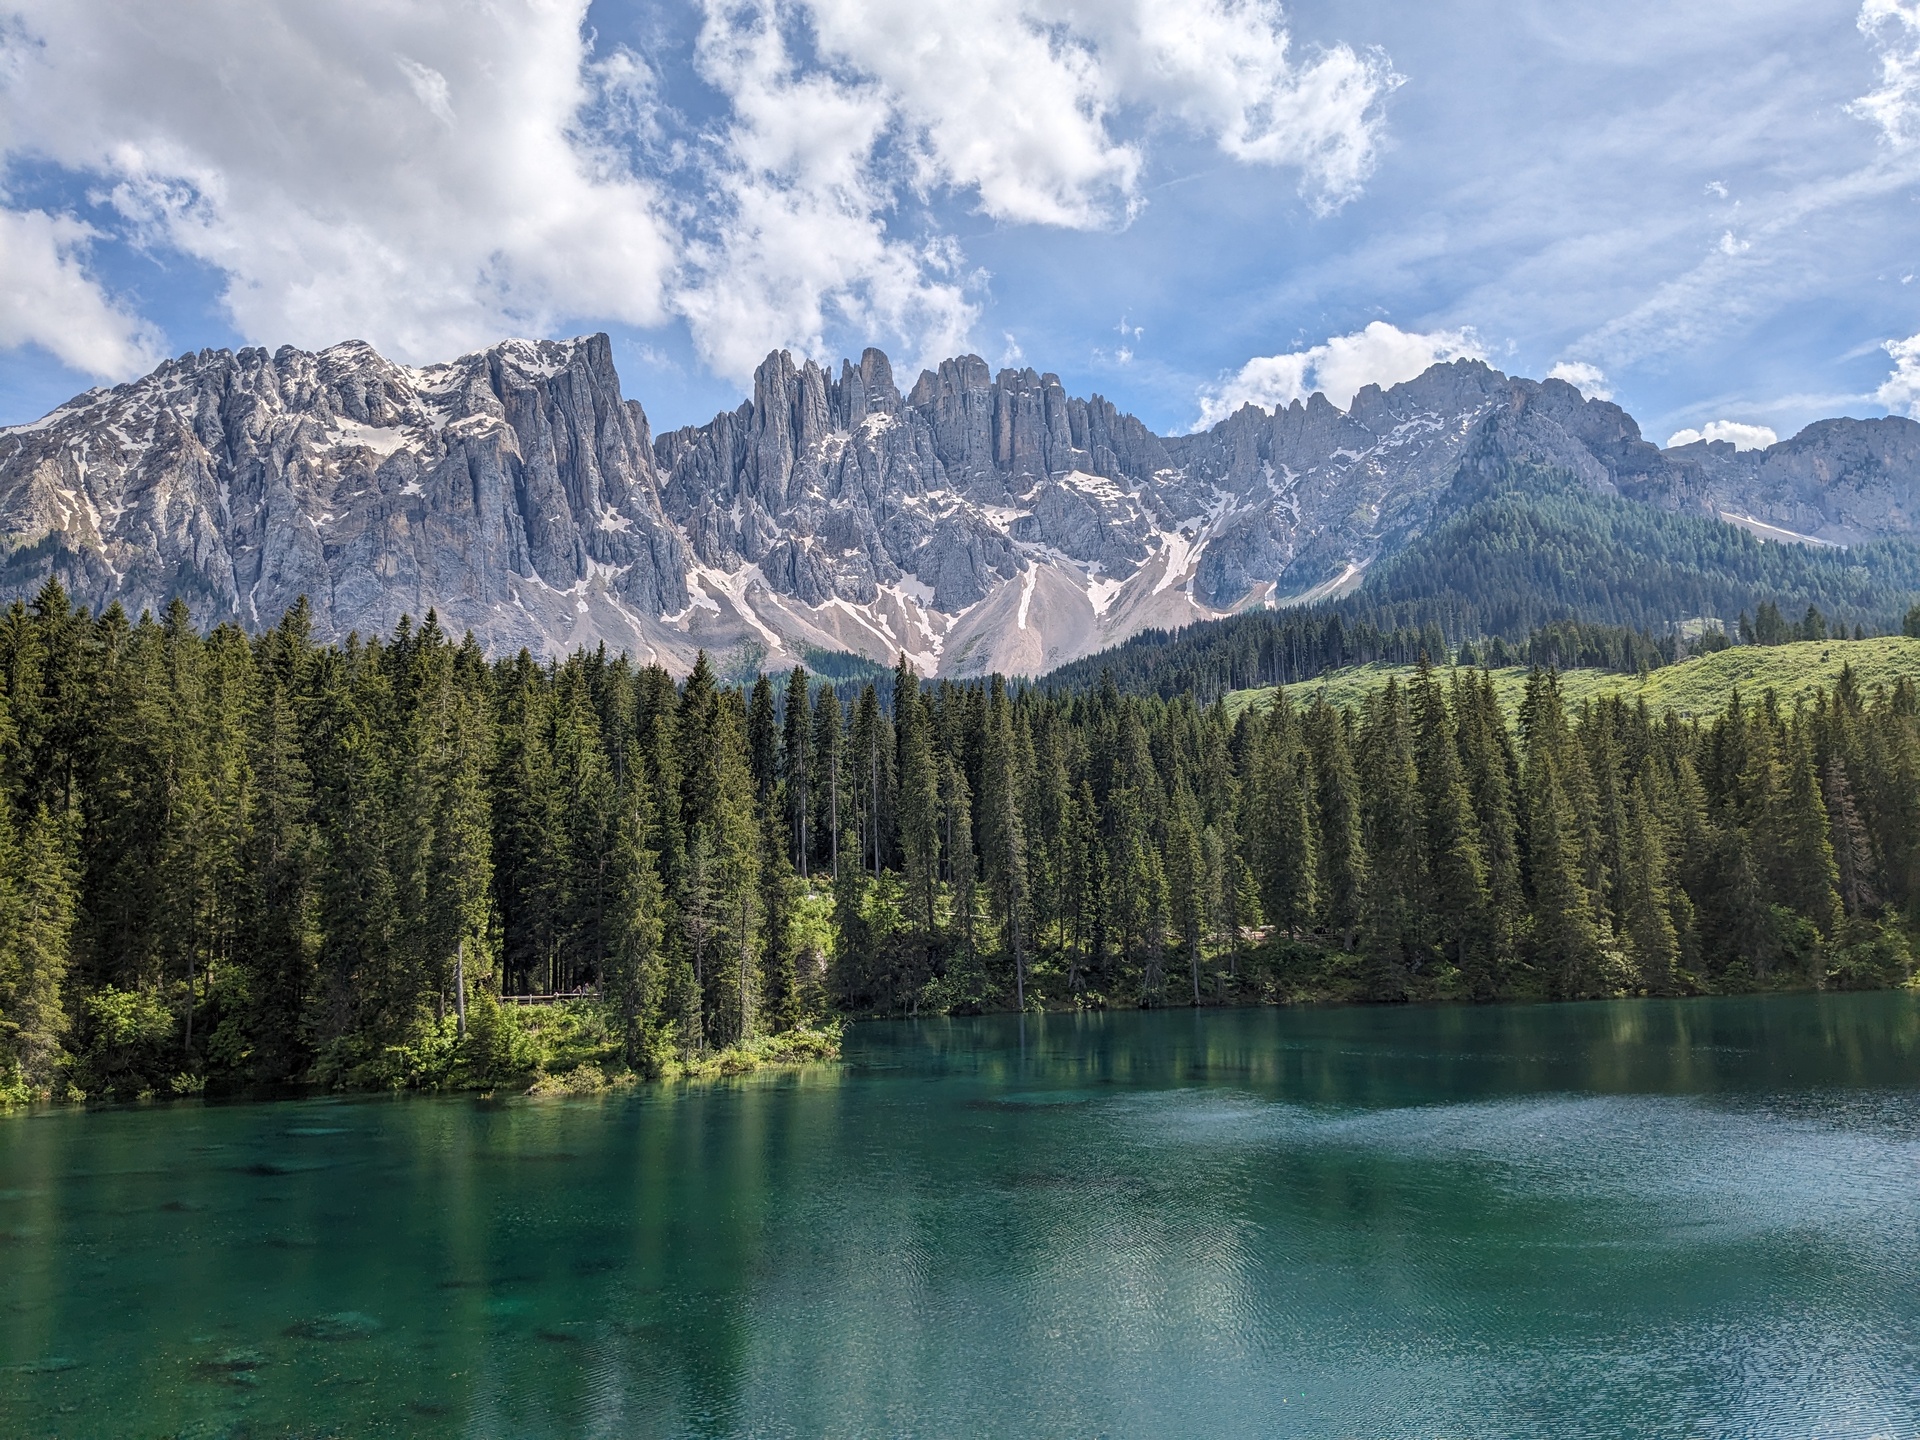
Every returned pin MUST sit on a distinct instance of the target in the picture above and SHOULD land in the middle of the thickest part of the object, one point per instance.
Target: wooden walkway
(554, 999)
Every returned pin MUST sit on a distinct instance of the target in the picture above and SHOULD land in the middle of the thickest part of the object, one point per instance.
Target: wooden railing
(584, 993)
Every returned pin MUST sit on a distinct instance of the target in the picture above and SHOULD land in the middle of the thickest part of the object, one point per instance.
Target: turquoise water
(1695, 1218)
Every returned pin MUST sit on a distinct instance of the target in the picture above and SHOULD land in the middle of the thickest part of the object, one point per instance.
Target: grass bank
(1694, 689)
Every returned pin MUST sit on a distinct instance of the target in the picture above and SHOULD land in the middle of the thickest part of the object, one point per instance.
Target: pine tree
(1187, 883)
(779, 899)
(1852, 852)
(1394, 832)
(638, 979)
(763, 740)
(1277, 823)
(1796, 850)
(796, 767)
(460, 886)
(1491, 770)
(39, 894)
(1647, 897)
(1461, 902)
(1566, 939)
(1341, 849)
(830, 792)
(1003, 838)
(282, 921)
(956, 843)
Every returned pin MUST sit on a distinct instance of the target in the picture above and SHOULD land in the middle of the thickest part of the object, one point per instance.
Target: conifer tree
(1491, 770)
(956, 843)
(763, 740)
(1341, 850)
(1392, 825)
(1647, 898)
(39, 887)
(1003, 839)
(1798, 852)
(919, 805)
(1565, 937)
(796, 767)
(871, 763)
(638, 977)
(1852, 853)
(1278, 824)
(282, 921)
(829, 791)
(1187, 883)
(1458, 867)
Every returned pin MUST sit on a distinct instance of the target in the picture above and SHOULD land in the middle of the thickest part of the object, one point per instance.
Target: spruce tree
(1277, 821)
(830, 789)
(638, 976)
(1394, 920)
(1003, 839)
(1340, 847)
(1646, 892)
(1461, 902)
(39, 895)
(763, 740)
(796, 768)
(1565, 938)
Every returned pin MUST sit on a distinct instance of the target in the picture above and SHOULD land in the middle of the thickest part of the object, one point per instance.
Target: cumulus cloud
(1381, 354)
(1901, 392)
(800, 241)
(1590, 380)
(1742, 436)
(1893, 28)
(430, 178)
(1014, 105)
(1225, 68)
(372, 168)
(48, 299)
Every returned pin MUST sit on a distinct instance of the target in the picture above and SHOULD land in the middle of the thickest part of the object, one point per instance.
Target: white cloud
(430, 177)
(1901, 392)
(1589, 380)
(1381, 354)
(1224, 68)
(371, 168)
(1893, 27)
(1015, 100)
(48, 299)
(994, 100)
(1013, 103)
(1742, 436)
(800, 243)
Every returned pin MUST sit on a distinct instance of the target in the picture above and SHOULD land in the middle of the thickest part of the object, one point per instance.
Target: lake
(1687, 1218)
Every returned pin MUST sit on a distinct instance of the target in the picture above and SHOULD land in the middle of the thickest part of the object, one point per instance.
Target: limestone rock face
(978, 521)
(1840, 481)
(503, 490)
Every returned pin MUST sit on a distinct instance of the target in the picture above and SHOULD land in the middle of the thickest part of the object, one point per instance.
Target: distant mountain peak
(981, 520)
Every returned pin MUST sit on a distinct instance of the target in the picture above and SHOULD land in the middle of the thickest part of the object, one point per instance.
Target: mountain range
(976, 521)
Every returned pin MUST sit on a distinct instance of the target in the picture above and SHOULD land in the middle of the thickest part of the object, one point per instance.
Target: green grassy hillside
(1698, 687)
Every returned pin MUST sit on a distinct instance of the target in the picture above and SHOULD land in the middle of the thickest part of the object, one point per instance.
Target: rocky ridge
(975, 522)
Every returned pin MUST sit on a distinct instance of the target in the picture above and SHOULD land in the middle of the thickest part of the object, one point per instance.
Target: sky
(1709, 213)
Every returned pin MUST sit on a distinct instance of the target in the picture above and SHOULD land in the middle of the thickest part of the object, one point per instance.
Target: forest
(235, 863)
(1556, 574)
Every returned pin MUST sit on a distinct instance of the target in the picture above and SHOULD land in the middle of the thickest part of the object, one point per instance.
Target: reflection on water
(1690, 1218)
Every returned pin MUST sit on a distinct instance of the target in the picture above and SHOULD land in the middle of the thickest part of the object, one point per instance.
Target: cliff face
(513, 489)
(976, 522)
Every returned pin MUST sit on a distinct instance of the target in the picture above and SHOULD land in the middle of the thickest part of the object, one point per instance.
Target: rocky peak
(981, 521)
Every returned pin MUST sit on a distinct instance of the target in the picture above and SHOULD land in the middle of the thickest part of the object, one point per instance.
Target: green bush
(129, 1046)
(1869, 957)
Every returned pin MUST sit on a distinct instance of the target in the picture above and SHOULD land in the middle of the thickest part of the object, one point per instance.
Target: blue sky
(1709, 212)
